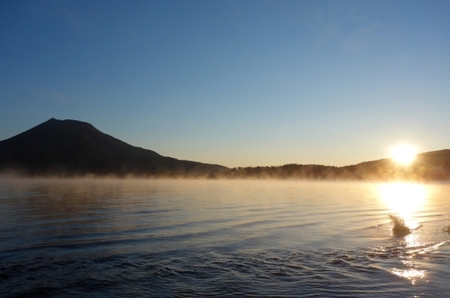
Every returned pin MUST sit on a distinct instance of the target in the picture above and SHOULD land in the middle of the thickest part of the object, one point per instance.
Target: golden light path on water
(405, 200)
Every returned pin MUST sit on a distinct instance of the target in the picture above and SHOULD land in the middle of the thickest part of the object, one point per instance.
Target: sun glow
(403, 154)
(404, 199)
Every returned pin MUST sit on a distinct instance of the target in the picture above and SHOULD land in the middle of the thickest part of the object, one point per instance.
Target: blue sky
(238, 83)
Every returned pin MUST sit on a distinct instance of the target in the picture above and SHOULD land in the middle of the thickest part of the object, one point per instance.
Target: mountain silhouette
(428, 166)
(74, 148)
(433, 165)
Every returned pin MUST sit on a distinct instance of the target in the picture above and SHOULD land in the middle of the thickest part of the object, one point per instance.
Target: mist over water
(71, 238)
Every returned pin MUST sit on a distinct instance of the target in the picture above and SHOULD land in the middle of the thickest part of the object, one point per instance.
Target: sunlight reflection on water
(407, 200)
(411, 274)
(404, 199)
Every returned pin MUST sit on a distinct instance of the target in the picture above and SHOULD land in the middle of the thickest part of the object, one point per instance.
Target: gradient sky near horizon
(237, 83)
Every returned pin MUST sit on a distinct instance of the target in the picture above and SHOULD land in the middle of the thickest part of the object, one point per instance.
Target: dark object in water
(446, 228)
(399, 227)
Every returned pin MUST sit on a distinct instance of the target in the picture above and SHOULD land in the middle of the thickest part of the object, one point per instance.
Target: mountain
(429, 166)
(434, 165)
(74, 148)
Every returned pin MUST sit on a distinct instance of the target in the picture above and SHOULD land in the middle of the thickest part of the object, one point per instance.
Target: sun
(403, 154)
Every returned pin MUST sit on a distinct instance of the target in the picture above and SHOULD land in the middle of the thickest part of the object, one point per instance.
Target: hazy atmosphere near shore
(236, 83)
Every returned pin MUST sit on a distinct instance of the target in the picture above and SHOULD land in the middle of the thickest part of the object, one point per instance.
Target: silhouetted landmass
(75, 148)
(426, 167)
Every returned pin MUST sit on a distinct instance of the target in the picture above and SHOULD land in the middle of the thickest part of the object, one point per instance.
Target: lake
(187, 238)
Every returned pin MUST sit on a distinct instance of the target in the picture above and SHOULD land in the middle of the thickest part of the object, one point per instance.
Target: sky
(236, 83)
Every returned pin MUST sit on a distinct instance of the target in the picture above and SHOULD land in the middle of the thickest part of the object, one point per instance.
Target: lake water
(157, 238)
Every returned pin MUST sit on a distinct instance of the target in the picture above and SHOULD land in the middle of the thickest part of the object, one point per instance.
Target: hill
(429, 166)
(75, 148)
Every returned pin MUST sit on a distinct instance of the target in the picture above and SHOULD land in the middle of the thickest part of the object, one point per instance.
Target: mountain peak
(74, 147)
(66, 122)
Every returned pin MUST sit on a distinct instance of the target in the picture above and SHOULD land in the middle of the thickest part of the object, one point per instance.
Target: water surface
(128, 238)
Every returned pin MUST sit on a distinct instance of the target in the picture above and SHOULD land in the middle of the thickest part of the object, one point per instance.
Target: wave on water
(310, 273)
(446, 228)
(193, 274)
(399, 227)
(220, 271)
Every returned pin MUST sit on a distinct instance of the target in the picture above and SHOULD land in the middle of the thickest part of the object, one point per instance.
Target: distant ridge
(428, 166)
(75, 148)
